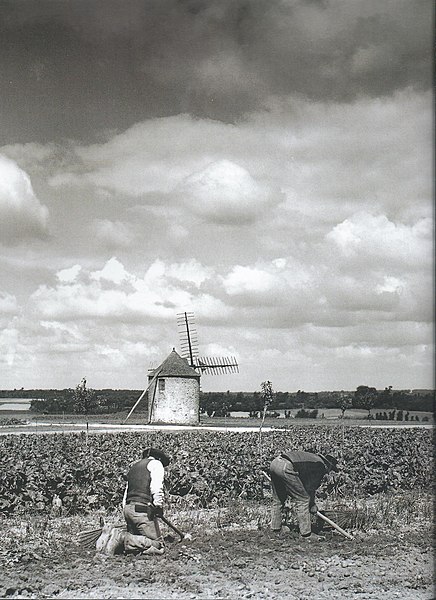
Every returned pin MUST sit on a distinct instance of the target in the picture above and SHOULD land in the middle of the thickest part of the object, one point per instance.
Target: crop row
(89, 472)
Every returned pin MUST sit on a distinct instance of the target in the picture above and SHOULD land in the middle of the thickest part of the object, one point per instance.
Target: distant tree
(267, 395)
(84, 400)
(345, 402)
(385, 398)
(365, 397)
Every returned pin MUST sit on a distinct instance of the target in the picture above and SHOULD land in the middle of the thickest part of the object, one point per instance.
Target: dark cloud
(75, 68)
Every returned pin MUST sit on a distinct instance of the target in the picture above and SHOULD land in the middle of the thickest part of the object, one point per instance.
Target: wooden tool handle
(334, 525)
(171, 526)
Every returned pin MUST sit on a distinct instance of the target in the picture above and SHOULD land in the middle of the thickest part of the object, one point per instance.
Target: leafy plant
(210, 467)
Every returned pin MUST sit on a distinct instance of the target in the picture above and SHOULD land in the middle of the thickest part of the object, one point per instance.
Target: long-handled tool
(334, 525)
(321, 516)
(183, 536)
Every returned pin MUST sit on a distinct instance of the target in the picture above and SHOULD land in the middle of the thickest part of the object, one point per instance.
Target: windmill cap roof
(176, 366)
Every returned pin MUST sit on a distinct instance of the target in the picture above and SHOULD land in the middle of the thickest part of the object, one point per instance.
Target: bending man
(297, 475)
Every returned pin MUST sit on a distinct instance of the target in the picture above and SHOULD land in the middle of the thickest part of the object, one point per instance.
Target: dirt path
(227, 564)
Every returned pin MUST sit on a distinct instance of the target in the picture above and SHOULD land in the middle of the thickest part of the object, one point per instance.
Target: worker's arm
(314, 480)
(157, 473)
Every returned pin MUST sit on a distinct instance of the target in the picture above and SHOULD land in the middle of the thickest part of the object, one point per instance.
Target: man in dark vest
(297, 475)
(143, 500)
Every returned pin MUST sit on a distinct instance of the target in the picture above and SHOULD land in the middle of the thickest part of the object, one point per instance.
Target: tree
(365, 397)
(267, 394)
(344, 403)
(267, 398)
(84, 400)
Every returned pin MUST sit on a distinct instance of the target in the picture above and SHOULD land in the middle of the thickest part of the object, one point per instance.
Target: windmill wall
(175, 393)
(176, 401)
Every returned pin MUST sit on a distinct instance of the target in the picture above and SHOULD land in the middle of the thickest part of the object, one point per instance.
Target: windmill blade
(213, 365)
(188, 336)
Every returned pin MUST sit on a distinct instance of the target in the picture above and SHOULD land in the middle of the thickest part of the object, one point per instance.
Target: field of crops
(88, 471)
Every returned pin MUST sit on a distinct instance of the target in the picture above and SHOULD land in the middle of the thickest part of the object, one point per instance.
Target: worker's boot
(154, 550)
(313, 537)
(137, 544)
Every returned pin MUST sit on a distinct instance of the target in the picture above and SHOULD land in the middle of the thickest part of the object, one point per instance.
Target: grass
(140, 418)
(26, 537)
(393, 510)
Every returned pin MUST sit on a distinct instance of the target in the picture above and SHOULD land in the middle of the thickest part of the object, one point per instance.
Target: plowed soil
(224, 561)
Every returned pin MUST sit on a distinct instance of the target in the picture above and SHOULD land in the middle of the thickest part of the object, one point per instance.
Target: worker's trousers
(286, 482)
(138, 522)
(141, 531)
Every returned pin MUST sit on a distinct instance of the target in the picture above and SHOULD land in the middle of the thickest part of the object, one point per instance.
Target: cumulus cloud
(317, 161)
(113, 293)
(113, 272)
(374, 240)
(112, 234)
(8, 304)
(225, 193)
(69, 275)
(22, 215)
(249, 279)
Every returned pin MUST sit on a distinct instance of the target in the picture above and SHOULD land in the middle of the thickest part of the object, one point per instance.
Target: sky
(264, 164)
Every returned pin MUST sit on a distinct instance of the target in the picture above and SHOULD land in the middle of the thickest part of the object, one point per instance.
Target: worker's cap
(155, 453)
(330, 461)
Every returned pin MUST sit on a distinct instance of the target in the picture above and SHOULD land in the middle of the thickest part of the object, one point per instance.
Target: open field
(216, 492)
(331, 418)
(233, 554)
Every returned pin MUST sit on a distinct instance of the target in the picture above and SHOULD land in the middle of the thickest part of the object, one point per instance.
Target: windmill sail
(188, 337)
(211, 365)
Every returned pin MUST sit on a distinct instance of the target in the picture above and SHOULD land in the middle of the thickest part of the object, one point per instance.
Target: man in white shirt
(143, 497)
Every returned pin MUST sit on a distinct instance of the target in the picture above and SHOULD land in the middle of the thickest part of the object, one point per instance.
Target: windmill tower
(174, 396)
(174, 387)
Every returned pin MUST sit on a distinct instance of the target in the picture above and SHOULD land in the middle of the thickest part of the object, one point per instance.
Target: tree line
(85, 400)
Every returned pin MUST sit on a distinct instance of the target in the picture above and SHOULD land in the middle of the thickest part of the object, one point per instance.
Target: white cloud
(226, 193)
(390, 284)
(114, 294)
(69, 275)
(328, 160)
(22, 216)
(113, 271)
(285, 284)
(192, 272)
(9, 344)
(112, 234)
(8, 304)
(249, 279)
(376, 240)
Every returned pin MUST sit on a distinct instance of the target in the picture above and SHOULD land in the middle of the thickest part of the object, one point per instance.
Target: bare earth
(225, 561)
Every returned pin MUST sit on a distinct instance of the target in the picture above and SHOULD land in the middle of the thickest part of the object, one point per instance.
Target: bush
(306, 414)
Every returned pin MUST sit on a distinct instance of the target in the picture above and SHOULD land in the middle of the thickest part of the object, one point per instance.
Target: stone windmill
(174, 387)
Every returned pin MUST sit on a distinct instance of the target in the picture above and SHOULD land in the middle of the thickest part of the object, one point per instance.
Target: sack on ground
(111, 540)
